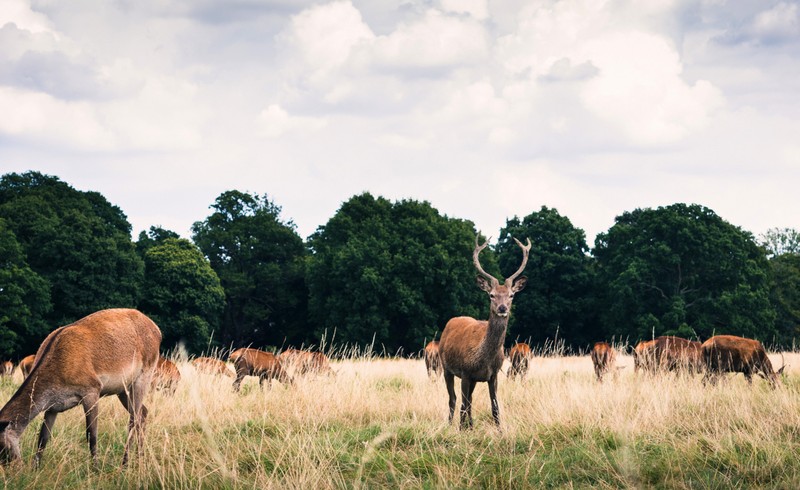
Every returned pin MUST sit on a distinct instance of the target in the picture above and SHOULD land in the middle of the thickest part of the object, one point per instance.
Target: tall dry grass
(383, 423)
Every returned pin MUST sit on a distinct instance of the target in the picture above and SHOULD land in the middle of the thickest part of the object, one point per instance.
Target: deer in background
(519, 355)
(211, 365)
(433, 361)
(26, 364)
(254, 362)
(6, 368)
(643, 356)
(110, 352)
(731, 354)
(603, 358)
(473, 349)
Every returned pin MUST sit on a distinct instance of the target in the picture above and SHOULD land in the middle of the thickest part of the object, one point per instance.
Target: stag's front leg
(89, 403)
(449, 380)
(467, 387)
(493, 399)
(44, 434)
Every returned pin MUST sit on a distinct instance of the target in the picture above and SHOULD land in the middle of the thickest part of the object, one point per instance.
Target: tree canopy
(396, 271)
(558, 298)
(181, 293)
(260, 261)
(682, 270)
(77, 241)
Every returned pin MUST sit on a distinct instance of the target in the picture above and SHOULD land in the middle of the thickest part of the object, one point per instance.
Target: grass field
(381, 423)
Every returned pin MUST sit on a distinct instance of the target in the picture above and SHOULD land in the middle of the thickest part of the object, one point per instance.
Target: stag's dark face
(9, 444)
(501, 295)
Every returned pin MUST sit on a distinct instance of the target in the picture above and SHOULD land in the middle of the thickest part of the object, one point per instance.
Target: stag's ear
(519, 284)
(484, 284)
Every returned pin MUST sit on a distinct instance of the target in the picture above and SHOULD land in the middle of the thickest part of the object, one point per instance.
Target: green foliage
(24, 299)
(558, 298)
(260, 261)
(181, 293)
(780, 241)
(77, 241)
(680, 266)
(785, 295)
(398, 271)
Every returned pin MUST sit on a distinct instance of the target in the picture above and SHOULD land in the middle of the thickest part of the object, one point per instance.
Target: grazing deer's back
(112, 345)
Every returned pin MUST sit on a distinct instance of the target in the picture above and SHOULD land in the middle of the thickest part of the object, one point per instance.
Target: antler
(493, 280)
(525, 250)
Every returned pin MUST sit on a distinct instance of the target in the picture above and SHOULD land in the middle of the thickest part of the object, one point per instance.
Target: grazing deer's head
(501, 295)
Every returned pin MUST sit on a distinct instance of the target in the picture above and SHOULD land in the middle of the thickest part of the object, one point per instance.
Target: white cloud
(274, 121)
(639, 89)
(781, 22)
(19, 12)
(479, 9)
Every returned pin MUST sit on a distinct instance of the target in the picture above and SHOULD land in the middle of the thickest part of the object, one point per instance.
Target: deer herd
(117, 352)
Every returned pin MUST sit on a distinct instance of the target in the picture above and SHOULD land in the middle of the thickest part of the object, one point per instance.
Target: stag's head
(501, 295)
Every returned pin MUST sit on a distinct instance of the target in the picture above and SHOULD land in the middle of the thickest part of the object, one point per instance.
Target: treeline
(382, 272)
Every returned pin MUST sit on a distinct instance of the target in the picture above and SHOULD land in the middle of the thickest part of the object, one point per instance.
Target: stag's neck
(495, 336)
(28, 402)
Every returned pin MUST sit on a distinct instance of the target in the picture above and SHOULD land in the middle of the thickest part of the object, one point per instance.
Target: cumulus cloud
(274, 121)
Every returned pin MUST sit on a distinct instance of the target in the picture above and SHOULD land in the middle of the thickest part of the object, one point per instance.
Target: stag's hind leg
(132, 401)
(467, 387)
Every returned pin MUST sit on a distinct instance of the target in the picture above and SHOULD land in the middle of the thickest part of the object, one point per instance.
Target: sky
(486, 109)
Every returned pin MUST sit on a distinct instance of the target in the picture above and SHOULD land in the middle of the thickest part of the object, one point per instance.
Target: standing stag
(643, 356)
(110, 352)
(603, 358)
(519, 355)
(472, 349)
(254, 362)
(433, 361)
(731, 354)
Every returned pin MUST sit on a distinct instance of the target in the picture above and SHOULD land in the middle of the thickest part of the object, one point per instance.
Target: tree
(260, 261)
(780, 241)
(785, 296)
(75, 240)
(156, 235)
(681, 269)
(24, 299)
(182, 294)
(559, 296)
(395, 271)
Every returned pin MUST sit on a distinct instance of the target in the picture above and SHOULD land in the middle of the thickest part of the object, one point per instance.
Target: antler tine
(477, 261)
(525, 250)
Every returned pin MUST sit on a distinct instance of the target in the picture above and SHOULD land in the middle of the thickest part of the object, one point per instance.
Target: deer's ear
(519, 284)
(484, 284)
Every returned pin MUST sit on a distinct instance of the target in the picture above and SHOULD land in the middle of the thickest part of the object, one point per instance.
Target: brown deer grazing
(472, 349)
(677, 354)
(519, 356)
(303, 362)
(211, 365)
(6, 368)
(26, 364)
(643, 356)
(603, 358)
(433, 361)
(167, 376)
(731, 354)
(110, 352)
(254, 362)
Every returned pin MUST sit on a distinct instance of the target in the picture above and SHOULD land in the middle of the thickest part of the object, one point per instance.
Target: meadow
(382, 423)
